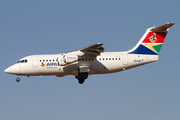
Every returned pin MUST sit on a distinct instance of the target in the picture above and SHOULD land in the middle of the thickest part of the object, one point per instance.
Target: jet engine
(67, 59)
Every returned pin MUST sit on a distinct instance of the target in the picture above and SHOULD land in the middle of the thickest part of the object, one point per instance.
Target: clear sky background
(149, 92)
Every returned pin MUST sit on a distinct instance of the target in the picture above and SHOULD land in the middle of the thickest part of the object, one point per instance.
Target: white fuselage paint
(82, 63)
(107, 62)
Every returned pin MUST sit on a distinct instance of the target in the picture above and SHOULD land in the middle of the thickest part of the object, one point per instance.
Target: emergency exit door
(125, 60)
(34, 61)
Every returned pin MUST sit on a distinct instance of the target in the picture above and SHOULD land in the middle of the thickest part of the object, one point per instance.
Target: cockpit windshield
(22, 61)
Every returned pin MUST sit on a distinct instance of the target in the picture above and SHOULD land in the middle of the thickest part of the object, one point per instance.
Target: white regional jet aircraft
(93, 60)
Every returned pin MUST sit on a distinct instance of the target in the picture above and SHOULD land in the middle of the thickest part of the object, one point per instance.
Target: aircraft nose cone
(14, 69)
(7, 70)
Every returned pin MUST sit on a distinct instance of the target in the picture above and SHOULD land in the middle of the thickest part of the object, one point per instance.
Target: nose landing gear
(18, 79)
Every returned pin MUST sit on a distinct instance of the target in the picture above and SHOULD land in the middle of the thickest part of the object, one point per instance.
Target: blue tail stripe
(141, 49)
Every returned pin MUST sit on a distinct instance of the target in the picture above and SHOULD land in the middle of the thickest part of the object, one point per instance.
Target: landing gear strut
(18, 79)
(82, 74)
(81, 77)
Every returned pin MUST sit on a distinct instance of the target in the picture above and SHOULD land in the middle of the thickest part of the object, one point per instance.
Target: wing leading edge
(90, 51)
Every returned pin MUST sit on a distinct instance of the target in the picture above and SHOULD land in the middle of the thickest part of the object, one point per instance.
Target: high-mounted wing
(95, 46)
(88, 52)
(93, 50)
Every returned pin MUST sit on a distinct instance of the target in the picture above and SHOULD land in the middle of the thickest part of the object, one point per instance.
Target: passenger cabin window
(50, 60)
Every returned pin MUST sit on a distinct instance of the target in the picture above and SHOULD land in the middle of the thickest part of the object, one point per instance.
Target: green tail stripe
(157, 47)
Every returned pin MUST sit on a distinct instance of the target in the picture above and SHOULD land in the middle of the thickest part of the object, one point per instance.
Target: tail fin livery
(152, 40)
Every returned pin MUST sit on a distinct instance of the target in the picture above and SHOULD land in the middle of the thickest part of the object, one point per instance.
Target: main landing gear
(81, 77)
(82, 74)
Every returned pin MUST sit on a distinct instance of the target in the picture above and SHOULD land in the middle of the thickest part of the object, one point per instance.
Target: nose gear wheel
(18, 79)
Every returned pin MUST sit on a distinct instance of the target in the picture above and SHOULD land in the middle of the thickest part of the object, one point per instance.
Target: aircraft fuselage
(107, 62)
(92, 59)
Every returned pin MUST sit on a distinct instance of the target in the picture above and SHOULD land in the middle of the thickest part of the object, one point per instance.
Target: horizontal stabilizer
(162, 27)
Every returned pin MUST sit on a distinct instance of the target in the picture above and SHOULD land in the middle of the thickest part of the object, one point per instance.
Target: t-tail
(152, 40)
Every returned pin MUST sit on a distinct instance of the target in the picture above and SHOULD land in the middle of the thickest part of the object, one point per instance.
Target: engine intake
(67, 59)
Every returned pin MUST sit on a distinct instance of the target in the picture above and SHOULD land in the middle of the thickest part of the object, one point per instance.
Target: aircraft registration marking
(137, 60)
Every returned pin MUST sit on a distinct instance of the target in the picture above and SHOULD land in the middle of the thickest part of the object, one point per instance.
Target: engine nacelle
(67, 59)
(71, 58)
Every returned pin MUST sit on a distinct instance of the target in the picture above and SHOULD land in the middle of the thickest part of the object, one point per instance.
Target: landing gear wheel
(81, 77)
(18, 79)
(84, 75)
(81, 81)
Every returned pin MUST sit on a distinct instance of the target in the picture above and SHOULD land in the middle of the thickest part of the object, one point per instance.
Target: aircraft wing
(96, 47)
(90, 51)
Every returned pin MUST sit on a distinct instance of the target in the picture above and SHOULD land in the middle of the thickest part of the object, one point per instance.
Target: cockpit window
(22, 61)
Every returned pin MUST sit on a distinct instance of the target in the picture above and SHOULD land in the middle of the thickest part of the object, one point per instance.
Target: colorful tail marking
(152, 41)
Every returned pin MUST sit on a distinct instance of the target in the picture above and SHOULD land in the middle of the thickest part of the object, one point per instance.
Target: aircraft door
(125, 59)
(35, 61)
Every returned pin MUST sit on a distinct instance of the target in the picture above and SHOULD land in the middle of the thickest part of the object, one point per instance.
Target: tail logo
(151, 44)
(153, 38)
(152, 41)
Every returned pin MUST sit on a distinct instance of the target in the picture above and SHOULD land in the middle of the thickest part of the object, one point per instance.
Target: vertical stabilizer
(152, 40)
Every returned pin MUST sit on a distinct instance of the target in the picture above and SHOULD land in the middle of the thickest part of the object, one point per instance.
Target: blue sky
(149, 92)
